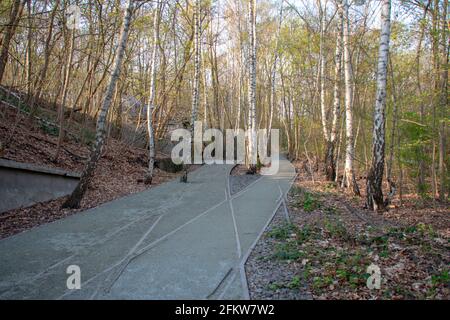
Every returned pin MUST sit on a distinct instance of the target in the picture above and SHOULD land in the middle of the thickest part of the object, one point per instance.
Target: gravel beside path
(271, 278)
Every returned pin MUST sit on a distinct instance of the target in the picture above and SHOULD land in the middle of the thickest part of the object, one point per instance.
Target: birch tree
(323, 112)
(196, 80)
(349, 179)
(28, 56)
(68, 70)
(330, 165)
(443, 101)
(274, 70)
(196, 85)
(251, 143)
(75, 198)
(151, 100)
(375, 198)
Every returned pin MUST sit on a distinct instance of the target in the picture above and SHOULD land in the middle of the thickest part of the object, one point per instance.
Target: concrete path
(174, 241)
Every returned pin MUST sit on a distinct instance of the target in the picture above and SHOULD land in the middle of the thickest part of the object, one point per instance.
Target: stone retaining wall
(23, 184)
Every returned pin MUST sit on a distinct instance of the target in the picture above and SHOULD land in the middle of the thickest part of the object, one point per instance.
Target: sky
(357, 7)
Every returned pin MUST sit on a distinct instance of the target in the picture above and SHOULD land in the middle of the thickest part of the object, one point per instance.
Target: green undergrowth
(335, 258)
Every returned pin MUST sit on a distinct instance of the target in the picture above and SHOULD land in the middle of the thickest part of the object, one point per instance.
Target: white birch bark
(323, 112)
(349, 179)
(28, 57)
(239, 71)
(195, 90)
(196, 83)
(152, 95)
(331, 143)
(375, 198)
(252, 152)
(205, 94)
(62, 107)
(274, 70)
(239, 91)
(336, 90)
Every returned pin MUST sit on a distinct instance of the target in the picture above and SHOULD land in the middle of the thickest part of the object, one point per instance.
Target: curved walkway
(174, 241)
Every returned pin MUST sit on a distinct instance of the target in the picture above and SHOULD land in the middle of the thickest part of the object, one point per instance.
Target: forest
(357, 88)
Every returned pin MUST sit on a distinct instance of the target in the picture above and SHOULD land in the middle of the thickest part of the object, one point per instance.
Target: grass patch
(274, 286)
(283, 232)
(287, 251)
(310, 202)
(337, 230)
(322, 282)
(295, 283)
(440, 278)
(304, 199)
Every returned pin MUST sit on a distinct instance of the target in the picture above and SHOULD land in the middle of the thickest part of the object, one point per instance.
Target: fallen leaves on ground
(331, 241)
(119, 172)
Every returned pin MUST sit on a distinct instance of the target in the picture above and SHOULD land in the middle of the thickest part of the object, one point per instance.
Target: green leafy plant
(274, 286)
(283, 232)
(440, 278)
(295, 283)
(337, 229)
(288, 251)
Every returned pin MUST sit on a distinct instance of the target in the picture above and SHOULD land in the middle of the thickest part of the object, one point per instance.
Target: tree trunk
(39, 82)
(28, 57)
(323, 111)
(16, 13)
(252, 152)
(330, 165)
(151, 100)
(206, 112)
(349, 179)
(421, 175)
(196, 86)
(443, 106)
(434, 33)
(375, 199)
(75, 198)
(274, 73)
(394, 129)
(64, 94)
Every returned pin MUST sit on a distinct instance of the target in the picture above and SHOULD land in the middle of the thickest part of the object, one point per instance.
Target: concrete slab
(23, 184)
(174, 241)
